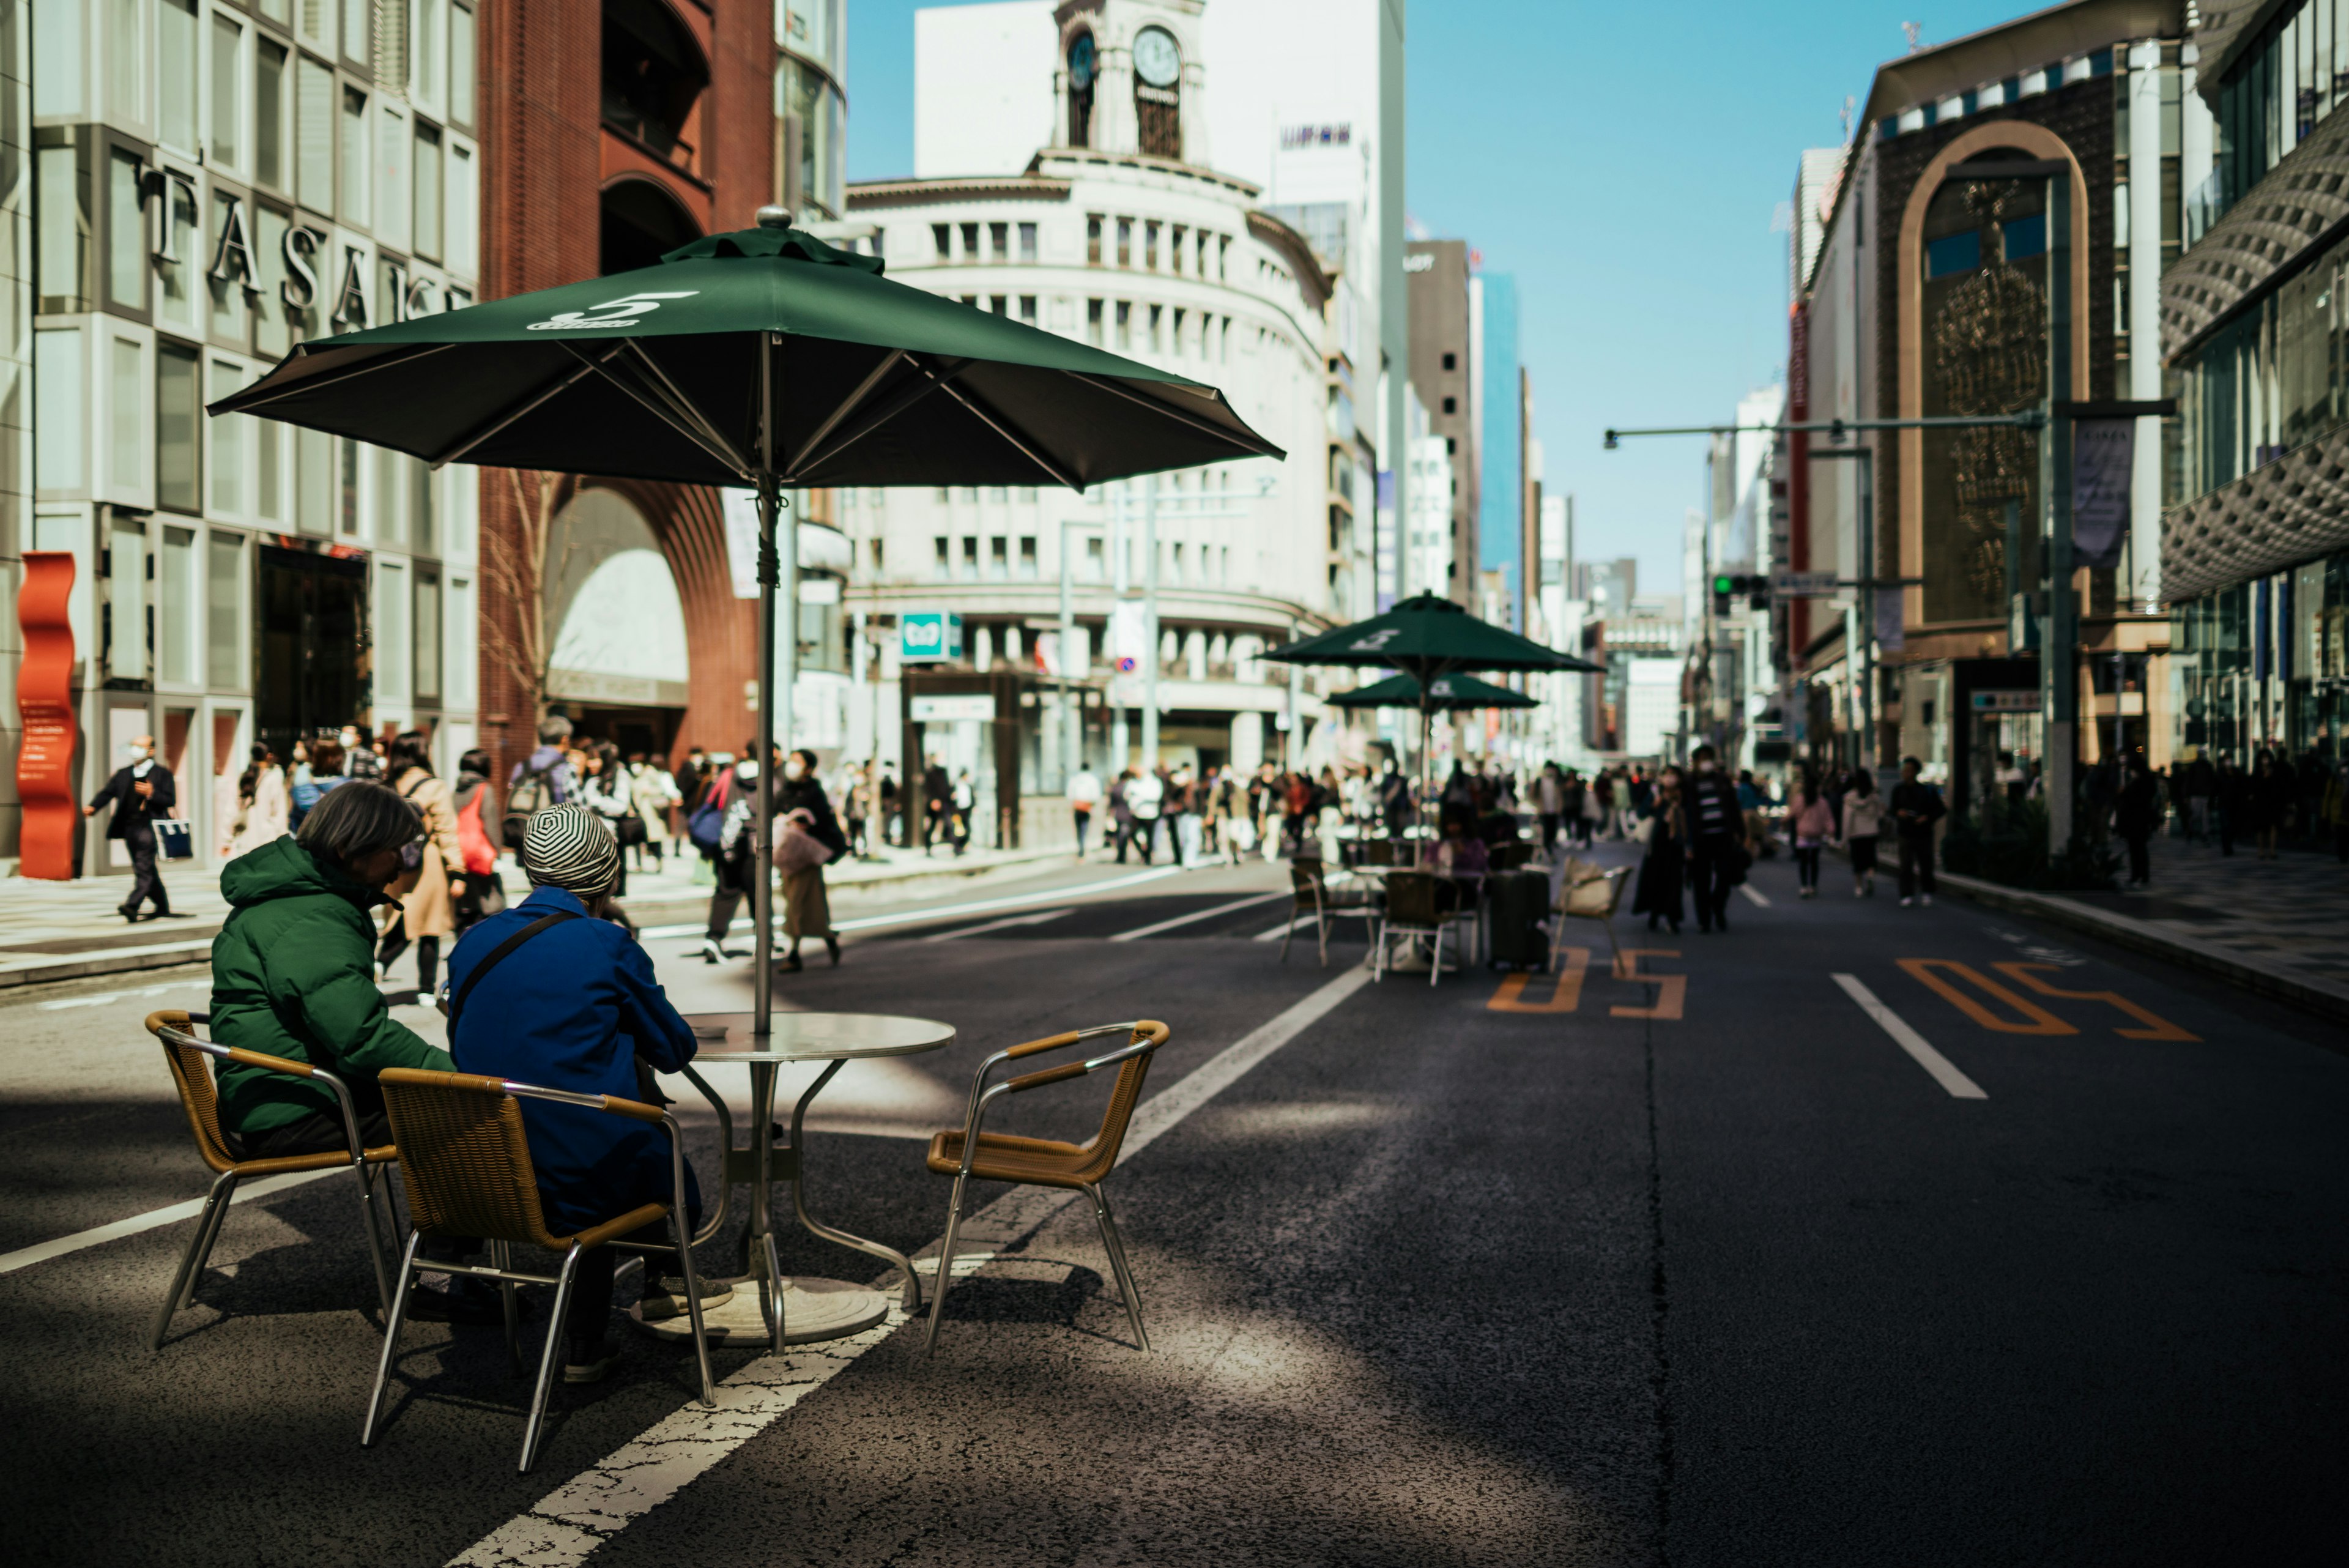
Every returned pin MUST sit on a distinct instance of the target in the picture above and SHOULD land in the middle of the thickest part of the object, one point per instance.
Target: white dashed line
(1135, 935)
(25, 1257)
(1755, 895)
(1944, 1071)
(1004, 924)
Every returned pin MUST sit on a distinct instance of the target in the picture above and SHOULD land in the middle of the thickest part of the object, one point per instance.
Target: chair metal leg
(390, 1338)
(945, 1270)
(1435, 955)
(693, 1304)
(1290, 935)
(367, 1224)
(775, 1290)
(510, 1297)
(1321, 927)
(192, 1261)
(1115, 1244)
(555, 1325)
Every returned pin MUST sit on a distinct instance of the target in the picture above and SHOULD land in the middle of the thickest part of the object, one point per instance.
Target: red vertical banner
(44, 704)
(1798, 476)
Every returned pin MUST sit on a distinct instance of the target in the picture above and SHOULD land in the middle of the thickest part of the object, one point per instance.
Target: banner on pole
(1892, 623)
(2102, 453)
(740, 509)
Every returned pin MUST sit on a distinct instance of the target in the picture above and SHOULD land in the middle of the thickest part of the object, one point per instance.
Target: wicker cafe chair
(1413, 910)
(1589, 892)
(969, 1154)
(466, 1166)
(1315, 896)
(185, 1054)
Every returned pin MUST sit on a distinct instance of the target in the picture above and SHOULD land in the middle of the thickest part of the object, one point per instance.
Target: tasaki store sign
(929, 635)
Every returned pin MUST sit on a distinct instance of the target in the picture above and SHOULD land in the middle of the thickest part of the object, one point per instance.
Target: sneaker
(586, 1364)
(1906, 902)
(711, 952)
(1927, 897)
(666, 1299)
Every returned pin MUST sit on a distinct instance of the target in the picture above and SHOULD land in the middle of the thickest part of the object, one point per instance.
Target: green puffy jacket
(293, 976)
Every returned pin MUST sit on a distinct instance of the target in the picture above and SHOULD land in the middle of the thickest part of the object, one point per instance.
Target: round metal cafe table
(803, 1310)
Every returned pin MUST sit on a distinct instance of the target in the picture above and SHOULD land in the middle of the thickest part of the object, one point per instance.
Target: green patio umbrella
(763, 358)
(1427, 638)
(1445, 693)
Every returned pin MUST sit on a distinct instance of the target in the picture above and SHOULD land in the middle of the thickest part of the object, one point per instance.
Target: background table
(806, 1309)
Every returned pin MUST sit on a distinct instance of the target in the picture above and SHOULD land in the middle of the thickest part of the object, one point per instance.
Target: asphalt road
(1702, 1268)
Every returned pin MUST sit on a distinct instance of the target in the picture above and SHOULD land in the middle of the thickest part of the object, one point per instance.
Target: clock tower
(1129, 78)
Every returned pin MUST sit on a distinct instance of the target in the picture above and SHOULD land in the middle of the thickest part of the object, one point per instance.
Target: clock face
(1080, 62)
(1156, 59)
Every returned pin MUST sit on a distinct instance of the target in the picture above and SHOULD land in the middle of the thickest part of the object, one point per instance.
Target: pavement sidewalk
(64, 930)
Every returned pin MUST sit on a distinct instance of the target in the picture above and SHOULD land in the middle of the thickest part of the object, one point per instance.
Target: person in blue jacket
(574, 1007)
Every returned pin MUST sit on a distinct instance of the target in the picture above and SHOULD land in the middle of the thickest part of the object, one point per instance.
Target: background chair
(969, 1154)
(1315, 896)
(1415, 909)
(466, 1165)
(1587, 892)
(185, 1054)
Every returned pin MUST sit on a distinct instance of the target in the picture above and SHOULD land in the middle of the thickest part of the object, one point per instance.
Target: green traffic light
(1724, 585)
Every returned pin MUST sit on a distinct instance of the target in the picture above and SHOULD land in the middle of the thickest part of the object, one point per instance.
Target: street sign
(2007, 702)
(929, 635)
(951, 710)
(1804, 585)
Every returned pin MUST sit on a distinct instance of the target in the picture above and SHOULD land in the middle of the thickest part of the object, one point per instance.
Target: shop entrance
(312, 673)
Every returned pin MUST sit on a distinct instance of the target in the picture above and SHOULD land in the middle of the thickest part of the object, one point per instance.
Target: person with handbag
(478, 840)
(606, 790)
(1812, 823)
(1862, 826)
(432, 874)
(718, 827)
(264, 811)
(1664, 865)
(807, 834)
(142, 795)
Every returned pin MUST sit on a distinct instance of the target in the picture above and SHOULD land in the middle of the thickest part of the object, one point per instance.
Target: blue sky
(1626, 173)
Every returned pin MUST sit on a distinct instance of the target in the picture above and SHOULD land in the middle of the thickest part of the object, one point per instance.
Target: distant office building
(1443, 372)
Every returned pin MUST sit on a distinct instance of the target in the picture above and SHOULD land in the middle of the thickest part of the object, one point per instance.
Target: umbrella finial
(775, 217)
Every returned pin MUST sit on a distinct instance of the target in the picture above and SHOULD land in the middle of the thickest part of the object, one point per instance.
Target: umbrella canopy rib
(1025, 445)
(928, 379)
(683, 406)
(329, 377)
(521, 410)
(652, 399)
(846, 406)
(1219, 432)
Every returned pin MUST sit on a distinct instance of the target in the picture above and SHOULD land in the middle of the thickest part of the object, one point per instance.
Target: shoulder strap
(457, 1002)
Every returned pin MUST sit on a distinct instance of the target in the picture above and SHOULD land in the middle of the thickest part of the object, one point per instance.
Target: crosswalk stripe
(1945, 1072)
(1140, 933)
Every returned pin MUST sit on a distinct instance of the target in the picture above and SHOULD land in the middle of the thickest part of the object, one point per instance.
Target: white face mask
(794, 769)
(135, 752)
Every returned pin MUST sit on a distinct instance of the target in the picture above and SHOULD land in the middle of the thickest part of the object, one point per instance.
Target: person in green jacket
(293, 976)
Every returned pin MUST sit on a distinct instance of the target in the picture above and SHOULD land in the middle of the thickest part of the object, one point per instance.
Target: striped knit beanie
(569, 847)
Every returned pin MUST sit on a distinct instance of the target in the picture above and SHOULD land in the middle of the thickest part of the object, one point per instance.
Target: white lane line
(25, 1257)
(1002, 925)
(916, 917)
(1283, 928)
(1944, 1071)
(1760, 898)
(570, 1522)
(1135, 935)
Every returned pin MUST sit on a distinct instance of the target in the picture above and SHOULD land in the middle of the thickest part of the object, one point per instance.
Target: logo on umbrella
(1376, 641)
(623, 311)
(1440, 687)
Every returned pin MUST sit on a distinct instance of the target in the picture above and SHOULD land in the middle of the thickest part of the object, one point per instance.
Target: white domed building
(1119, 232)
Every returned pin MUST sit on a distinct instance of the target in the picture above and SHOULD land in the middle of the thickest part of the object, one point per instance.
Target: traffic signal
(1727, 586)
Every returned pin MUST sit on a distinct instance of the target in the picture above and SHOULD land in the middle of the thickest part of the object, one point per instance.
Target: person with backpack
(717, 830)
(1811, 823)
(1916, 807)
(324, 772)
(1862, 821)
(542, 780)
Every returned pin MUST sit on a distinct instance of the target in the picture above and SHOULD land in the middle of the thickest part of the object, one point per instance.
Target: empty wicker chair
(1315, 896)
(969, 1154)
(465, 1162)
(1587, 892)
(186, 1054)
(1416, 908)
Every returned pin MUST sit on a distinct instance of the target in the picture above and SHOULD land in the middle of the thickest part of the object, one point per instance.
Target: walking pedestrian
(263, 813)
(1716, 834)
(322, 773)
(1085, 793)
(544, 778)
(361, 760)
(2136, 814)
(1145, 803)
(1863, 822)
(605, 789)
(964, 803)
(937, 805)
(1916, 807)
(2277, 793)
(800, 803)
(732, 851)
(856, 805)
(1811, 824)
(1549, 804)
(2231, 795)
(142, 795)
(654, 791)
(475, 802)
(423, 909)
(578, 1008)
(1185, 812)
(1664, 865)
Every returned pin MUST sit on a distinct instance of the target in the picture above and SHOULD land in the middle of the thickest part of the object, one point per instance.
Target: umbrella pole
(762, 855)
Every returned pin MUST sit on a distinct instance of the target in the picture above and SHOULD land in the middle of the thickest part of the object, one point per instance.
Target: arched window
(654, 77)
(1084, 65)
(1158, 92)
(641, 223)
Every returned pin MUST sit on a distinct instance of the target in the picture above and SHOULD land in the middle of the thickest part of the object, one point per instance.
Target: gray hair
(554, 730)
